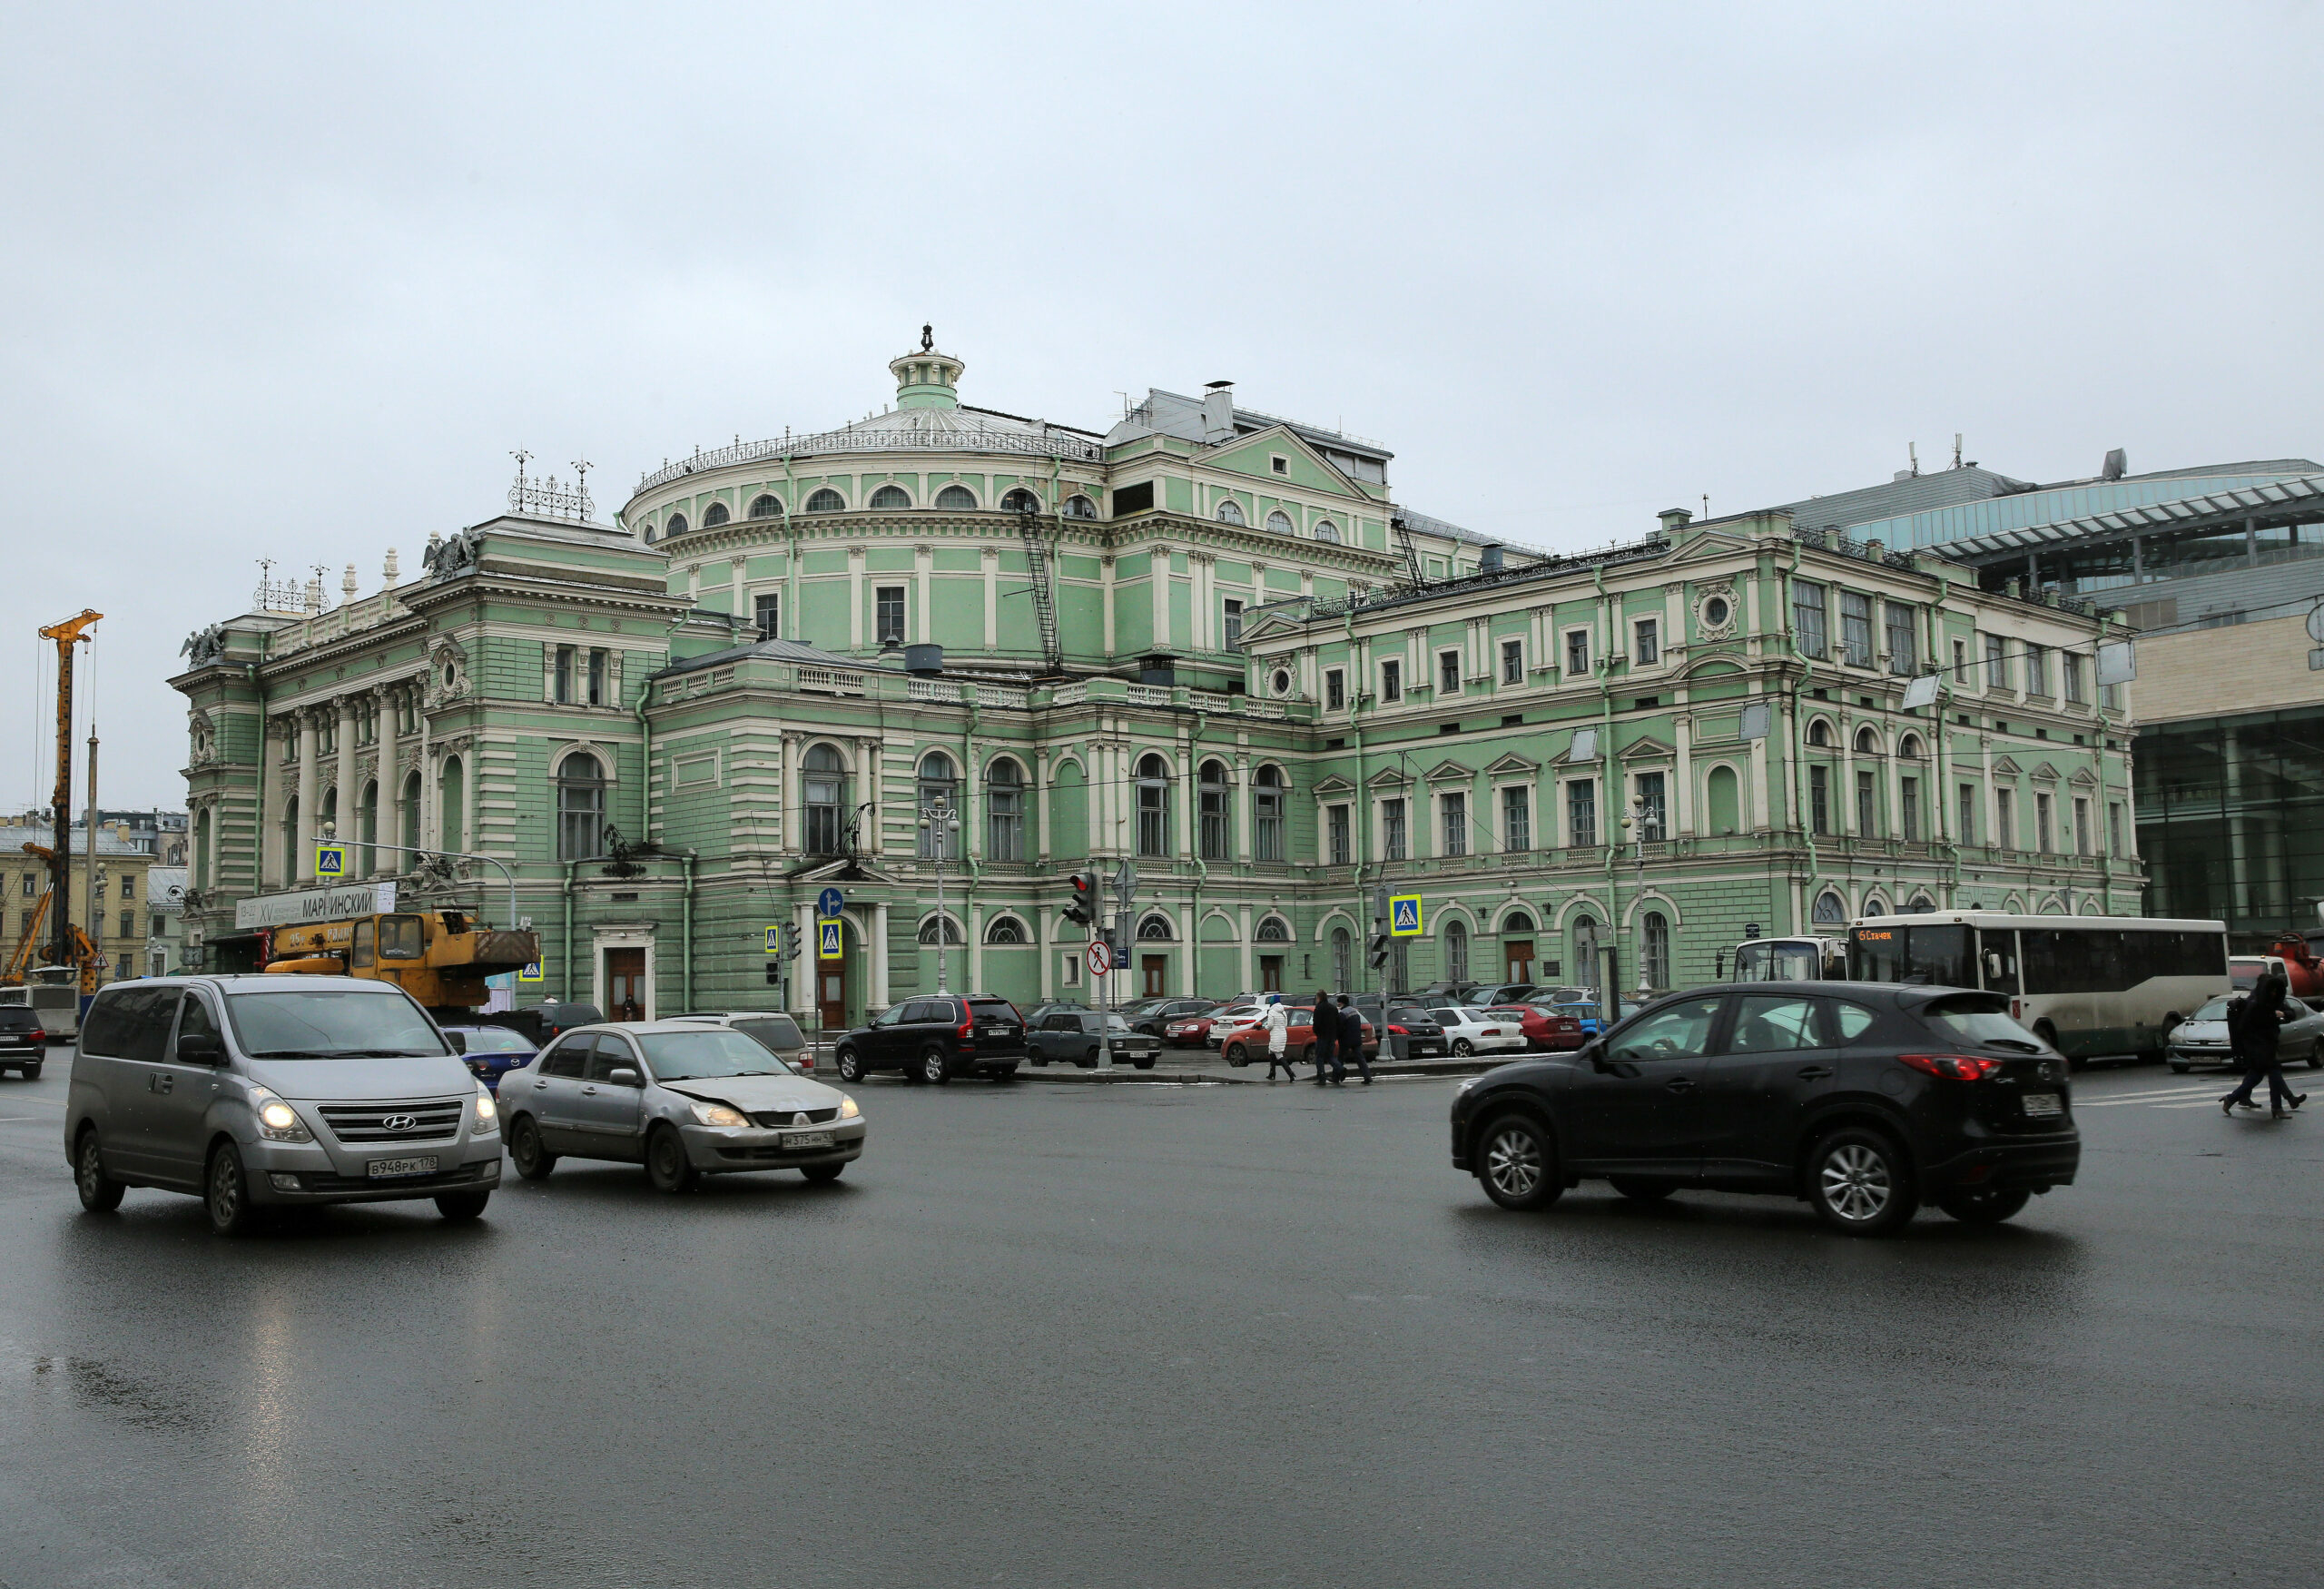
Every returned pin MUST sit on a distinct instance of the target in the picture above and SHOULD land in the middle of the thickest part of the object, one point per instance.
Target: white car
(2201, 1039)
(1473, 1032)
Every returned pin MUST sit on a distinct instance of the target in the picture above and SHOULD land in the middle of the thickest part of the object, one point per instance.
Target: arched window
(1230, 511)
(946, 925)
(201, 849)
(678, 524)
(1585, 950)
(1279, 522)
(1273, 930)
(1868, 743)
(1154, 928)
(1266, 814)
(1872, 907)
(1020, 500)
(1217, 828)
(1909, 747)
(1516, 921)
(451, 805)
(580, 807)
(1658, 950)
(1456, 952)
(1921, 906)
(1342, 959)
(956, 499)
(1831, 909)
(891, 497)
(1004, 803)
(714, 515)
(367, 824)
(1819, 732)
(408, 815)
(1724, 799)
(936, 787)
(1153, 806)
(1328, 531)
(291, 835)
(1080, 506)
(823, 793)
(1005, 929)
(826, 501)
(765, 506)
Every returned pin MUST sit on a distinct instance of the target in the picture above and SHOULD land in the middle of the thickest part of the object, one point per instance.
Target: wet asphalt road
(1240, 1335)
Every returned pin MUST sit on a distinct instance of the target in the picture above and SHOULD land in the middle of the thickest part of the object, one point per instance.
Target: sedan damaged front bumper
(716, 1149)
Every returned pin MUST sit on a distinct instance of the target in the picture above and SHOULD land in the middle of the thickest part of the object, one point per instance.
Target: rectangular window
(1456, 823)
(1335, 689)
(1391, 830)
(1266, 822)
(1960, 663)
(128, 886)
(129, 924)
(1964, 830)
(1808, 619)
(1647, 647)
(2080, 827)
(598, 670)
(1448, 673)
(1996, 663)
(2076, 691)
(1901, 659)
(1908, 808)
(1512, 662)
(1234, 623)
(1213, 836)
(1577, 652)
(2042, 823)
(1867, 805)
(32, 884)
(768, 610)
(1516, 818)
(563, 692)
(1581, 811)
(2005, 819)
(1855, 628)
(1137, 499)
(890, 609)
(1653, 824)
(1392, 682)
(1819, 799)
(1335, 825)
(2037, 670)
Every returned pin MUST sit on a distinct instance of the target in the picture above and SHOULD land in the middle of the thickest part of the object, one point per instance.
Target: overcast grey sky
(291, 282)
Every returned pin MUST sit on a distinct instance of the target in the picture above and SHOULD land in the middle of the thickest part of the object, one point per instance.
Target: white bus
(1789, 960)
(2086, 985)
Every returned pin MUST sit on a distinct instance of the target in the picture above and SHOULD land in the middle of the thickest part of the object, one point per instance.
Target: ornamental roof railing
(853, 439)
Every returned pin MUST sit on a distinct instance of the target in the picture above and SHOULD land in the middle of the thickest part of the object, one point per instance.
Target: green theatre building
(1205, 640)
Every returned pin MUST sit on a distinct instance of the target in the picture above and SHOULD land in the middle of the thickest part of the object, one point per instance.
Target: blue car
(1584, 1011)
(493, 1051)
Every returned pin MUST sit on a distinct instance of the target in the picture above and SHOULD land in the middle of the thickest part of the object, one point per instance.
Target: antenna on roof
(1913, 451)
(1956, 449)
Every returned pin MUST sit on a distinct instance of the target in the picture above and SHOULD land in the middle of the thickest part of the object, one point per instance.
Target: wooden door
(1270, 973)
(1155, 970)
(830, 992)
(1517, 959)
(625, 984)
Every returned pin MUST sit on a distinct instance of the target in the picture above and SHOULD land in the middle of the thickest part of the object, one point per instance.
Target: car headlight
(277, 1120)
(487, 1112)
(847, 1110)
(718, 1114)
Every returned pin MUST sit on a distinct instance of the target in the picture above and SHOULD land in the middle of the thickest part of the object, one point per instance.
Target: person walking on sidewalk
(1352, 1039)
(2264, 1013)
(1274, 1022)
(1326, 1050)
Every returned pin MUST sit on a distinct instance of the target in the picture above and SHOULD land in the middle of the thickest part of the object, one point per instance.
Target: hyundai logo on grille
(400, 1122)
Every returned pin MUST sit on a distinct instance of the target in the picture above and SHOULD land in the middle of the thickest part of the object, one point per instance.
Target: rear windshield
(2214, 1009)
(681, 1056)
(1977, 1021)
(495, 1039)
(16, 1017)
(992, 1009)
(331, 1024)
(776, 1031)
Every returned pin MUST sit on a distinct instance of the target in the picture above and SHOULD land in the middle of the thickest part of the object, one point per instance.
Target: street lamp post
(939, 822)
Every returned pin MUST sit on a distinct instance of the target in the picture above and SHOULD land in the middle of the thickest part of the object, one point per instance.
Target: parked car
(23, 1041)
(557, 1018)
(1444, 993)
(258, 1091)
(1491, 993)
(1194, 1031)
(1154, 1017)
(1241, 1012)
(1473, 1032)
(1584, 1011)
(935, 1038)
(1071, 1037)
(1247, 1041)
(683, 1098)
(2201, 1039)
(1864, 1098)
(1034, 1016)
(1545, 1026)
(492, 1051)
(1406, 1031)
(773, 1030)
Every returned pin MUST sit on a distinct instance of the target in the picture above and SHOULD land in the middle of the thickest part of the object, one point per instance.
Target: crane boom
(71, 632)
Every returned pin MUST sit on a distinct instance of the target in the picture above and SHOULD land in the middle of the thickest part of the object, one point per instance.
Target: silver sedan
(682, 1098)
(2201, 1039)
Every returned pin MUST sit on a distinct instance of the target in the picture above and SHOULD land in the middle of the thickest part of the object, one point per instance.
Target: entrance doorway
(1155, 970)
(1270, 973)
(1517, 947)
(830, 991)
(625, 984)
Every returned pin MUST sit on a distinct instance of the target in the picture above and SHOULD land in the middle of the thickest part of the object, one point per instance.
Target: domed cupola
(926, 379)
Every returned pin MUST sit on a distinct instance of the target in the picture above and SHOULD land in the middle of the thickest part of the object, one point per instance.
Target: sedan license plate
(796, 1140)
(388, 1168)
(2043, 1103)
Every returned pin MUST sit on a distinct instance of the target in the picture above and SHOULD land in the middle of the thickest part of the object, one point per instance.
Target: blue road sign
(774, 940)
(331, 860)
(1403, 915)
(531, 973)
(831, 943)
(829, 903)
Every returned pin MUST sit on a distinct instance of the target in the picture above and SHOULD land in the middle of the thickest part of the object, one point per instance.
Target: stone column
(1245, 968)
(878, 956)
(1245, 793)
(855, 597)
(923, 560)
(742, 595)
(266, 867)
(1045, 946)
(1194, 948)
(301, 860)
(792, 750)
(1682, 811)
(990, 563)
(1040, 794)
(388, 862)
(351, 797)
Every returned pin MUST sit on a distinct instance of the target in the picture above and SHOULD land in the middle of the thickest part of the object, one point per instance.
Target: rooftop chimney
(2117, 464)
(1674, 519)
(1218, 412)
(1489, 560)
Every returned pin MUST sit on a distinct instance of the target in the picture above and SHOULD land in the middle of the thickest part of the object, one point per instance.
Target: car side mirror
(202, 1048)
(622, 1076)
(459, 1040)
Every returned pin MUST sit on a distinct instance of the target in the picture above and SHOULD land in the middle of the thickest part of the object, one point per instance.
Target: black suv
(937, 1038)
(1864, 1098)
(23, 1043)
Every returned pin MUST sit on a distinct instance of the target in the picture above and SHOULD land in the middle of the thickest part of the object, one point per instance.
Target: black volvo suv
(1864, 1098)
(936, 1038)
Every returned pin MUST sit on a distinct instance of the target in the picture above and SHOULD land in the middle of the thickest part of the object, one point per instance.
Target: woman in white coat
(1274, 1019)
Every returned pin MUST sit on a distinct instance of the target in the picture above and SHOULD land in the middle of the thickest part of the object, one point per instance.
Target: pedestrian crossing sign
(1403, 915)
(829, 942)
(531, 973)
(775, 939)
(330, 862)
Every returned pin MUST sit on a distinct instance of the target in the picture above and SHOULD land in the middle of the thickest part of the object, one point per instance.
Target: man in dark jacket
(1352, 1039)
(2264, 1014)
(1326, 1039)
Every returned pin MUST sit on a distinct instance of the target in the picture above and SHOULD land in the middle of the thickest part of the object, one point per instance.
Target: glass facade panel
(2230, 821)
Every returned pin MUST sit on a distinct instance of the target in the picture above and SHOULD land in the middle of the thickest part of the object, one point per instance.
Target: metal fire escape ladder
(1405, 544)
(1037, 562)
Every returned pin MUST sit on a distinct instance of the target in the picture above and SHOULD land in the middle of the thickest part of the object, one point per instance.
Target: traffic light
(1379, 951)
(789, 945)
(775, 973)
(1081, 899)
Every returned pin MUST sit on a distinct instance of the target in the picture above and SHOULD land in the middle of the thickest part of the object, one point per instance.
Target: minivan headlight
(277, 1120)
(847, 1110)
(487, 1112)
(718, 1114)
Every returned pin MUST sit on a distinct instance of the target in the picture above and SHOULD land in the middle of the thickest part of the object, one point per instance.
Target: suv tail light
(1953, 1067)
(1398, 1032)
(968, 1027)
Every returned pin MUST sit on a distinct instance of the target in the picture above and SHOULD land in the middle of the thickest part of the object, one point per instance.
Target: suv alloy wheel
(99, 1191)
(1518, 1163)
(931, 1066)
(851, 1067)
(1861, 1183)
(226, 1193)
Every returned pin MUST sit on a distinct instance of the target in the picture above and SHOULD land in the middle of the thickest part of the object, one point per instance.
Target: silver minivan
(270, 1091)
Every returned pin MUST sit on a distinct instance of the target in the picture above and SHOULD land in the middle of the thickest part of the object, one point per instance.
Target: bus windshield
(1779, 960)
(1934, 956)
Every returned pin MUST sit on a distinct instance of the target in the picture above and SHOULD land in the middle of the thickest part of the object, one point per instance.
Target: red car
(1545, 1030)
(1194, 1031)
(1248, 1041)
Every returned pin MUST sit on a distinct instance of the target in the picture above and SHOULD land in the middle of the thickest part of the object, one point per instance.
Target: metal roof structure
(2302, 494)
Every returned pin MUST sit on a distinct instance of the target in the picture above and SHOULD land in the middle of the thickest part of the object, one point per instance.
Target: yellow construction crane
(85, 953)
(62, 949)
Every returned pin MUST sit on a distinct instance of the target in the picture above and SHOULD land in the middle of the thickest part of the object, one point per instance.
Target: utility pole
(1125, 898)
